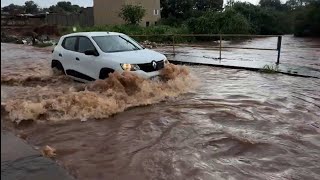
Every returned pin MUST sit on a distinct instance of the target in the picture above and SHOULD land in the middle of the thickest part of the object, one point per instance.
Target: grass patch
(270, 69)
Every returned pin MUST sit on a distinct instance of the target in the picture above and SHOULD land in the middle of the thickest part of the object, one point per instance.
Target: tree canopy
(132, 14)
(183, 9)
(31, 7)
(65, 7)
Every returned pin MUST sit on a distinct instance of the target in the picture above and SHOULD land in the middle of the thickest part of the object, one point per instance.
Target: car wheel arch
(57, 64)
(104, 72)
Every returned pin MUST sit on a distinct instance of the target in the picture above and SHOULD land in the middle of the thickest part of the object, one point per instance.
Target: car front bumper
(146, 75)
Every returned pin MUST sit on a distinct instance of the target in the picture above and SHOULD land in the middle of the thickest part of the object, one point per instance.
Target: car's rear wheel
(57, 67)
(104, 73)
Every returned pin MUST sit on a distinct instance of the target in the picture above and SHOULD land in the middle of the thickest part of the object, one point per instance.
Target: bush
(132, 14)
(270, 69)
(264, 20)
(307, 21)
(227, 22)
(171, 21)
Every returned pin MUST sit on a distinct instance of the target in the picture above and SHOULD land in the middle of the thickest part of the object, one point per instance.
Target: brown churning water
(97, 100)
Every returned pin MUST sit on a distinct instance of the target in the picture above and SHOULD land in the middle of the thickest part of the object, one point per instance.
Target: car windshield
(116, 43)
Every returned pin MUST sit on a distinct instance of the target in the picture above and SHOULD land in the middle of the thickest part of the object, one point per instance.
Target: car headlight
(130, 67)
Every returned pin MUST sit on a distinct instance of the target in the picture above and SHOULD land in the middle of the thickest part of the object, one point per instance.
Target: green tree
(307, 21)
(174, 12)
(12, 9)
(276, 4)
(31, 7)
(179, 9)
(44, 10)
(203, 5)
(65, 7)
(227, 22)
(292, 4)
(132, 14)
(264, 20)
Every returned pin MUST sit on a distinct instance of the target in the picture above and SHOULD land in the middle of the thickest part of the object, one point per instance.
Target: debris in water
(23, 135)
(48, 151)
(315, 124)
(83, 119)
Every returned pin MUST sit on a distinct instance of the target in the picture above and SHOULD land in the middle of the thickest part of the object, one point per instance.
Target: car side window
(85, 44)
(69, 43)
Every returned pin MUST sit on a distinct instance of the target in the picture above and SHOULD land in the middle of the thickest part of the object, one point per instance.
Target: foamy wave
(103, 98)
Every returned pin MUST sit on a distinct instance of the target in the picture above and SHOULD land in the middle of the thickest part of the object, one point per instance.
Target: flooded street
(298, 55)
(213, 123)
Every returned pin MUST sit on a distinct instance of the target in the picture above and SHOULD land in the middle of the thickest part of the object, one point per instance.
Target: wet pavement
(233, 124)
(19, 161)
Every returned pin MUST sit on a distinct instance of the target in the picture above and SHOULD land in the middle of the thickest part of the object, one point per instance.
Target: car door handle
(60, 54)
(77, 59)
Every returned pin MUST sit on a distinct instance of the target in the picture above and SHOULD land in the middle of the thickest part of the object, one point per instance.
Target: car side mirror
(91, 53)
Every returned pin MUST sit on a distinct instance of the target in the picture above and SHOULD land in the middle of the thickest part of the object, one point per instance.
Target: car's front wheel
(104, 73)
(57, 67)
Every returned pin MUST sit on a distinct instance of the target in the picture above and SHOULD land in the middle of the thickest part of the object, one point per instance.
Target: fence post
(220, 47)
(279, 49)
(173, 47)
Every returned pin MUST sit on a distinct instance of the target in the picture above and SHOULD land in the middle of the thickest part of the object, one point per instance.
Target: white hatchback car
(89, 56)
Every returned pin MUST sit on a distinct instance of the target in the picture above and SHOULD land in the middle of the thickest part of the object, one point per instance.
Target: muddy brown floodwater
(203, 123)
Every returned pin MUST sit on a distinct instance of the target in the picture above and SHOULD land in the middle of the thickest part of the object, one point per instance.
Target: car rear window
(69, 43)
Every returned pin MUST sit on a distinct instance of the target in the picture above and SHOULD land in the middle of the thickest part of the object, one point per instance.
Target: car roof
(90, 34)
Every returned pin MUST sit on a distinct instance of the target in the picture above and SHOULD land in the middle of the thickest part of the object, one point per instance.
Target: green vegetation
(64, 7)
(307, 20)
(132, 14)
(226, 22)
(270, 69)
(298, 17)
(29, 7)
(264, 19)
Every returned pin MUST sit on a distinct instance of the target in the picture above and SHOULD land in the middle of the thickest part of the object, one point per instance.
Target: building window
(155, 23)
(156, 12)
(147, 23)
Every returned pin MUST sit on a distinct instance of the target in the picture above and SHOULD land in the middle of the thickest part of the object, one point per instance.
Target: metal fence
(220, 37)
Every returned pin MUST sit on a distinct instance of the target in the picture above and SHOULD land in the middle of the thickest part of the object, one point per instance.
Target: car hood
(136, 57)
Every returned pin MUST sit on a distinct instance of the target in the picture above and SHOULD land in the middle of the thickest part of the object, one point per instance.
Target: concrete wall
(106, 12)
(83, 19)
(18, 21)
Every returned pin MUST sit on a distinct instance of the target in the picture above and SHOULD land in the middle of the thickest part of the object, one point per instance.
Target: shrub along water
(307, 21)
(227, 22)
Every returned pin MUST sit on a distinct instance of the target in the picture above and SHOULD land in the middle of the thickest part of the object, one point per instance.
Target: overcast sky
(85, 3)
